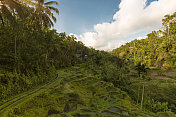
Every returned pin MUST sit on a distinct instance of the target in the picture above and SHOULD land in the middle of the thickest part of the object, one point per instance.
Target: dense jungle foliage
(154, 60)
(31, 53)
(157, 50)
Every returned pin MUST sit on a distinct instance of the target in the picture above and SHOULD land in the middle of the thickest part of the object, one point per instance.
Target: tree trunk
(142, 96)
(138, 96)
(15, 50)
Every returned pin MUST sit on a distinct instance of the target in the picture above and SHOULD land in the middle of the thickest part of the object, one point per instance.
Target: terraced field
(75, 93)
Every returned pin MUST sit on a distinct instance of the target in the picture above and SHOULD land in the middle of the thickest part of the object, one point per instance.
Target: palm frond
(53, 9)
(51, 3)
(29, 2)
(2, 20)
(53, 18)
(8, 15)
(50, 14)
(14, 6)
(46, 10)
(47, 21)
(44, 13)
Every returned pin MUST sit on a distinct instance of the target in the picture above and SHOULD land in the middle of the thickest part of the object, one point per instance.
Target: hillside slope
(152, 63)
(157, 50)
(77, 93)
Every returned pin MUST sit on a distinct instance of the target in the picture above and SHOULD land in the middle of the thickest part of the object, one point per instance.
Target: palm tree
(9, 9)
(44, 11)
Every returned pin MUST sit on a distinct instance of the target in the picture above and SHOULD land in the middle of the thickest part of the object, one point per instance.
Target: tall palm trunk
(138, 95)
(142, 96)
(15, 50)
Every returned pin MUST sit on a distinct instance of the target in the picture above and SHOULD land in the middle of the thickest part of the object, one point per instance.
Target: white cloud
(73, 35)
(133, 18)
(138, 38)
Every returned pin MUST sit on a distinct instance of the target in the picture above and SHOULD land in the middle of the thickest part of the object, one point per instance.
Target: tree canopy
(157, 50)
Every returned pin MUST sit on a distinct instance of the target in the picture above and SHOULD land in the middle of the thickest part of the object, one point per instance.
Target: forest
(157, 50)
(49, 74)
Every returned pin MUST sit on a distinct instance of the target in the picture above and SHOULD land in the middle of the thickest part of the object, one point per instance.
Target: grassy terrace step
(25, 96)
(76, 93)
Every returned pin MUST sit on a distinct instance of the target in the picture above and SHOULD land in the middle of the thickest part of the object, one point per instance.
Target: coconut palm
(9, 9)
(44, 11)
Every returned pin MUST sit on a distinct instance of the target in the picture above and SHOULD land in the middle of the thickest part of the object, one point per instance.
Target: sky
(107, 24)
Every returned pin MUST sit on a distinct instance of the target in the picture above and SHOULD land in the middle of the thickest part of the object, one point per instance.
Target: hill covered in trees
(152, 64)
(157, 50)
(45, 73)
(31, 53)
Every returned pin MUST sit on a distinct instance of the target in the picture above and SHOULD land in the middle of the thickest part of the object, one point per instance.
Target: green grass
(77, 92)
(159, 85)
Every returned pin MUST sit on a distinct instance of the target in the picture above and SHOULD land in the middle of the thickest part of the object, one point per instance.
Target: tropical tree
(44, 11)
(9, 9)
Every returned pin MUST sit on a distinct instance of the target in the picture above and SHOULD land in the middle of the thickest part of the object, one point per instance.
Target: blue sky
(79, 16)
(95, 21)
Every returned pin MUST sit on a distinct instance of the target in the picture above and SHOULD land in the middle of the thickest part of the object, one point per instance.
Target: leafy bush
(13, 83)
(156, 106)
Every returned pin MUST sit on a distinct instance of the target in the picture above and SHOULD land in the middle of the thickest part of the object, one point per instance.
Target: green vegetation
(45, 73)
(154, 60)
(76, 92)
(157, 50)
(30, 54)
